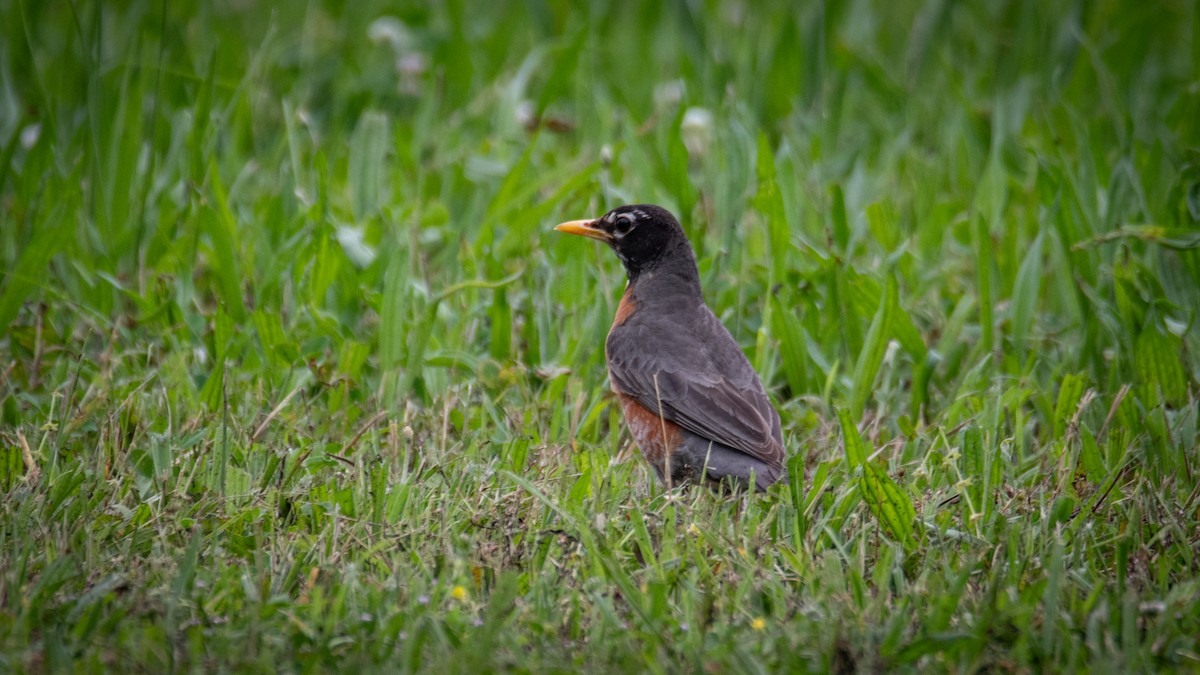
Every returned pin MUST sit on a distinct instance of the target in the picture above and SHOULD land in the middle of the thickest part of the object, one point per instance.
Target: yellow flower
(459, 593)
(758, 623)
(693, 530)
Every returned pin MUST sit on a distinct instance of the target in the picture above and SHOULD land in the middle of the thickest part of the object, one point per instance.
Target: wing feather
(696, 376)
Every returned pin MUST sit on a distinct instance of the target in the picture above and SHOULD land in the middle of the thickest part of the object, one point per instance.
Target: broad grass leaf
(983, 277)
(212, 391)
(392, 314)
(278, 350)
(884, 224)
(856, 448)
(224, 332)
(221, 227)
(1069, 394)
(324, 267)
(784, 70)
(817, 487)
(792, 353)
(368, 176)
(769, 202)
(874, 348)
(352, 357)
(887, 502)
(1159, 366)
(795, 467)
(1025, 294)
(30, 271)
(843, 295)
(1090, 458)
(675, 170)
(974, 465)
(838, 222)
(500, 313)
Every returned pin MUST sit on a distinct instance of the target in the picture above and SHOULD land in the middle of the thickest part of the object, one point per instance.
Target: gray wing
(696, 376)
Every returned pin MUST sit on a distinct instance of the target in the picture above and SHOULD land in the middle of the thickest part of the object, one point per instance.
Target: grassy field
(295, 375)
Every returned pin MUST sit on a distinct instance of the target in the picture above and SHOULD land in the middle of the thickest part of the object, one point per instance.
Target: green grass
(296, 376)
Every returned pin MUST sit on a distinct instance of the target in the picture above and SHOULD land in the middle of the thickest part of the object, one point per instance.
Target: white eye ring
(623, 226)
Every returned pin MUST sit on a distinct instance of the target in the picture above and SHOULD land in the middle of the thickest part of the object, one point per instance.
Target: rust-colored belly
(655, 437)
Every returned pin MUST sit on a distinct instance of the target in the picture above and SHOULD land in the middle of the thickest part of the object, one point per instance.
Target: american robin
(693, 404)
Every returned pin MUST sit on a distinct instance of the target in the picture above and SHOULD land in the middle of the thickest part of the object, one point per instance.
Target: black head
(643, 236)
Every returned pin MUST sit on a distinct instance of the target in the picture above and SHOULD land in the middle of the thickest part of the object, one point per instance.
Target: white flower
(355, 245)
(391, 30)
(30, 135)
(668, 93)
(526, 113)
(697, 130)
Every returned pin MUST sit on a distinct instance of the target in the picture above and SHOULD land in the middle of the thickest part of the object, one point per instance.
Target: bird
(693, 404)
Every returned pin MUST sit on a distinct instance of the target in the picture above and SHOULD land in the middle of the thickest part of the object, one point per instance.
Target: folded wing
(701, 381)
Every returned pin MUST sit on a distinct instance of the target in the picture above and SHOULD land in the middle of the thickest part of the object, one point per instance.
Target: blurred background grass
(292, 362)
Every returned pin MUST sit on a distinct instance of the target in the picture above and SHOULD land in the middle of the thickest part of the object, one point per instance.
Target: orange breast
(626, 307)
(655, 437)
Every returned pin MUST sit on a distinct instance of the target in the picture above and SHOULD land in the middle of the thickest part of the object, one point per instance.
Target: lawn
(295, 374)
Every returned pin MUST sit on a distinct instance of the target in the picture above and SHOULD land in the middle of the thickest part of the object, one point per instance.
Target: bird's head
(642, 235)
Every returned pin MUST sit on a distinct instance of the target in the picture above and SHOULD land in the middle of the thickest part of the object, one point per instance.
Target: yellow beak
(584, 228)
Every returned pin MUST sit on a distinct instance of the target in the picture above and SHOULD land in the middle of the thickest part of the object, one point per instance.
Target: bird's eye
(622, 227)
